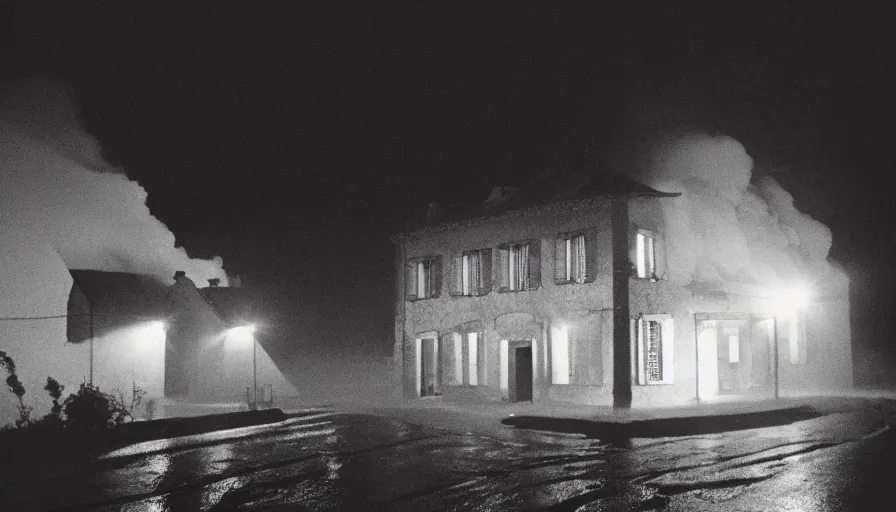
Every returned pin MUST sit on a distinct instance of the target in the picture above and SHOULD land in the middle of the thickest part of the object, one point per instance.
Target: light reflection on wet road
(338, 461)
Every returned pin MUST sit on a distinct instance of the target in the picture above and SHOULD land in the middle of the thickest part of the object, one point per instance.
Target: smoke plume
(56, 187)
(727, 224)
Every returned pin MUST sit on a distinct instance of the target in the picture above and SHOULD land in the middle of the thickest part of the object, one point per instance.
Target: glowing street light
(792, 299)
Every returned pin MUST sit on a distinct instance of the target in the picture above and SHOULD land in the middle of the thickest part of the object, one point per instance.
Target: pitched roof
(587, 178)
(102, 302)
(123, 293)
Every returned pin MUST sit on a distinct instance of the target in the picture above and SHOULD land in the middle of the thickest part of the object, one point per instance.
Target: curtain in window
(475, 275)
(522, 267)
(578, 258)
(654, 351)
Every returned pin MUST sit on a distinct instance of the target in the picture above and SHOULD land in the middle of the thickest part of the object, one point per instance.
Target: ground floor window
(576, 352)
(464, 359)
(655, 349)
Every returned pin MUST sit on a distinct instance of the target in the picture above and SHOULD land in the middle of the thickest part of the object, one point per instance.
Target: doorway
(428, 358)
(521, 378)
(735, 355)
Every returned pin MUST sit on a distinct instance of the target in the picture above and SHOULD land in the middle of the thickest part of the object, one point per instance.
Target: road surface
(343, 461)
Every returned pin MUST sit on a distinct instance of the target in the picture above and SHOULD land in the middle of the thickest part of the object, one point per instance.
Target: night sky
(293, 142)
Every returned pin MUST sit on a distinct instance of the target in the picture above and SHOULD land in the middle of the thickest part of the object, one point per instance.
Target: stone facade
(567, 327)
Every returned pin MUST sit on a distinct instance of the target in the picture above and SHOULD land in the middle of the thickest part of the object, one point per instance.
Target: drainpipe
(399, 356)
(622, 365)
(775, 331)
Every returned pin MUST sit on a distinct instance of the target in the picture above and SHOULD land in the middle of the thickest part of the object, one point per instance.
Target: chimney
(214, 282)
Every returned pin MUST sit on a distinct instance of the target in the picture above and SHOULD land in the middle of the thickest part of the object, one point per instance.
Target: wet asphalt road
(341, 461)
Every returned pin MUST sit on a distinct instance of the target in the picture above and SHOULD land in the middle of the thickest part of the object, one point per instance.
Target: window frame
(505, 250)
(412, 276)
(657, 254)
(667, 334)
(486, 273)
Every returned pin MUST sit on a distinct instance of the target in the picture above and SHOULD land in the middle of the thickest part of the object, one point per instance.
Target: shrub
(90, 409)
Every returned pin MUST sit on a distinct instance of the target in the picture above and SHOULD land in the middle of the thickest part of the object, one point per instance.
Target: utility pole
(622, 364)
(254, 372)
(90, 322)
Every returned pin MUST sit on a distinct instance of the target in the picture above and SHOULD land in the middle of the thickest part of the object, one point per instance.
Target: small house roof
(101, 302)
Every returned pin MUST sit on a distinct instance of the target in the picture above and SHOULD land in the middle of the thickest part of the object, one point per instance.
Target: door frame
(511, 367)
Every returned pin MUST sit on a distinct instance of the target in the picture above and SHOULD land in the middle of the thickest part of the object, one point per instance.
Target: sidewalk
(605, 423)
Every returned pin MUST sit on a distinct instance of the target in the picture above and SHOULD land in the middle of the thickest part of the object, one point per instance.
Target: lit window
(472, 273)
(655, 351)
(560, 355)
(733, 336)
(424, 278)
(645, 254)
(576, 354)
(462, 359)
(520, 266)
(473, 359)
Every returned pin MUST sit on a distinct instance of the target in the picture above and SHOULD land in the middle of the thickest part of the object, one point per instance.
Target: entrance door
(523, 374)
(429, 368)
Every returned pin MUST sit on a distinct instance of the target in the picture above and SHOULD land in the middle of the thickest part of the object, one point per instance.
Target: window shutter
(591, 253)
(642, 345)
(503, 270)
(458, 273)
(534, 265)
(659, 248)
(486, 255)
(560, 260)
(411, 280)
(436, 270)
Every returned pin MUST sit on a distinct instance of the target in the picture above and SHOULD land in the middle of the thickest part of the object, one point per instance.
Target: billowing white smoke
(55, 187)
(724, 226)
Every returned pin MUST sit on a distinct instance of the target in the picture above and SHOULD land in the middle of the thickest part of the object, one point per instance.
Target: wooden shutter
(534, 264)
(503, 270)
(411, 280)
(456, 271)
(560, 260)
(486, 255)
(436, 281)
(591, 255)
(659, 252)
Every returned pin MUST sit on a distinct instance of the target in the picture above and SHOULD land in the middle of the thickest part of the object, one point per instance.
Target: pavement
(608, 424)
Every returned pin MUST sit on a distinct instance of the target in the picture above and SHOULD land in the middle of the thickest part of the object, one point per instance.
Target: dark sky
(293, 142)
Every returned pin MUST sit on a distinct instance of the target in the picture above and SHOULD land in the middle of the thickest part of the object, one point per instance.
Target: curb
(665, 427)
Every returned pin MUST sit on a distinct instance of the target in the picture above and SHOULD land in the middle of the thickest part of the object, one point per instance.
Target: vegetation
(88, 409)
(17, 388)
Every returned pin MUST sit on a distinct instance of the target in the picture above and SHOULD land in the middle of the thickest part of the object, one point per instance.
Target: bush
(90, 409)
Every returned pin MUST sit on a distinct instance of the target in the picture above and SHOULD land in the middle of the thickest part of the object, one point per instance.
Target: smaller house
(177, 341)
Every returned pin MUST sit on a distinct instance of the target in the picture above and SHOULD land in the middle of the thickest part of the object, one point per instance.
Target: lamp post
(254, 370)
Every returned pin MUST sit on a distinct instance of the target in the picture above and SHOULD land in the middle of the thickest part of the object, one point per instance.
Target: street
(348, 461)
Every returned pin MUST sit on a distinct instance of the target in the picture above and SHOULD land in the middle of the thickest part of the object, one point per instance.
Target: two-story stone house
(566, 290)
